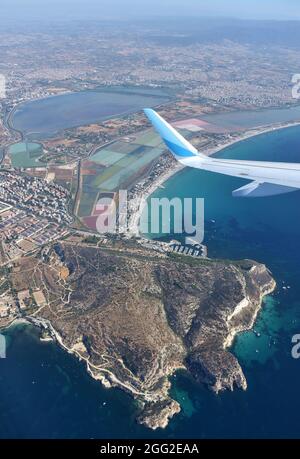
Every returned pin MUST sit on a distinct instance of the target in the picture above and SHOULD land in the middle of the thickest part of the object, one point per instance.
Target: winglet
(175, 142)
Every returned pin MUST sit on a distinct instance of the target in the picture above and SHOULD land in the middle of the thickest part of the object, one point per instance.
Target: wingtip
(149, 111)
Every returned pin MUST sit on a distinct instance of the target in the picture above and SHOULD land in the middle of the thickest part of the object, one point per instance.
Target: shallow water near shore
(45, 392)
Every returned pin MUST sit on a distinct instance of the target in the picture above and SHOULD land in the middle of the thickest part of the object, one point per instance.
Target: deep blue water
(46, 393)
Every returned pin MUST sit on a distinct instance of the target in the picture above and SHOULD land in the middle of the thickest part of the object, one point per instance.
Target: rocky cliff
(137, 316)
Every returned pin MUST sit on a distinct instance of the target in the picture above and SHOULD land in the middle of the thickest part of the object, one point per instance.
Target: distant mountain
(183, 32)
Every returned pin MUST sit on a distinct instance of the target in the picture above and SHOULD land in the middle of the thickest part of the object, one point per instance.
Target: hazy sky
(97, 9)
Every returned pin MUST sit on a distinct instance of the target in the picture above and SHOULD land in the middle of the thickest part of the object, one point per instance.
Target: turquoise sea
(46, 393)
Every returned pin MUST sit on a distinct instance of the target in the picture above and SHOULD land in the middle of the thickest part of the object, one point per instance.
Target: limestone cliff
(136, 316)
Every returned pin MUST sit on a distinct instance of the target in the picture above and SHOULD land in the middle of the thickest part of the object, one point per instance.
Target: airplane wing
(267, 178)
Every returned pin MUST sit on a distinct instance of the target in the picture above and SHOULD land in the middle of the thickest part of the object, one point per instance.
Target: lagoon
(248, 119)
(53, 114)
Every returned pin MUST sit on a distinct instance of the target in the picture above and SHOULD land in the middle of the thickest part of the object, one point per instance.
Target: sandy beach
(247, 135)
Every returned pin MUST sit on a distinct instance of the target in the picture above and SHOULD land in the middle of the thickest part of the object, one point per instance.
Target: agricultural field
(24, 155)
(118, 166)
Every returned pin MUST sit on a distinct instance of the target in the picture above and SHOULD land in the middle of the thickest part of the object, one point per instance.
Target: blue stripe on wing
(174, 141)
(178, 150)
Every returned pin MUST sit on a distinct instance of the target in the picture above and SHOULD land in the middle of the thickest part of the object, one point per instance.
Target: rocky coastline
(136, 316)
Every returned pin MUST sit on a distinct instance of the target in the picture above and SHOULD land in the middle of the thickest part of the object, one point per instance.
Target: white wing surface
(267, 178)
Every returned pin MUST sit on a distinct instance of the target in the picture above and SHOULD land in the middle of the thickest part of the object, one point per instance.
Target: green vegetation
(24, 155)
(4, 287)
(91, 240)
(106, 157)
(150, 139)
(190, 260)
